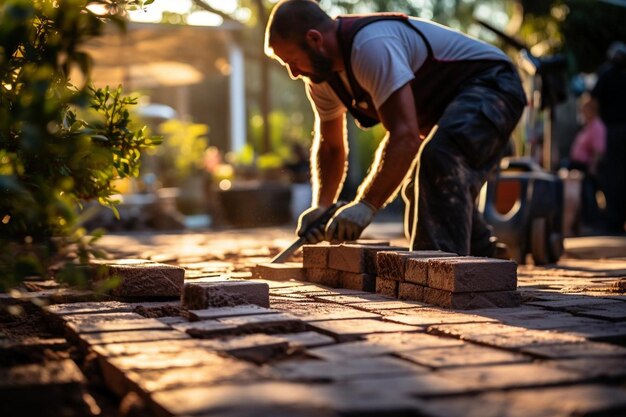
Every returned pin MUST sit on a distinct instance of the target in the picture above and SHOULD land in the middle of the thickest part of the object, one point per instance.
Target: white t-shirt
(386, 54)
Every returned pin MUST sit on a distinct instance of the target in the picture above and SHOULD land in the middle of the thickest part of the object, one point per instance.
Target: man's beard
(321, 65)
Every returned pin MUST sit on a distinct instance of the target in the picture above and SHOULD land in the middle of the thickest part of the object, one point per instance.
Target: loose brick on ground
(352, 329)
(391, 265)
(356, 258)
(225, 294)
(471, 300)
(323, 276)
(471, 274)
(278, 271)
(411, 292)
(416, 268)
(387, 287)
(358, 281)
(143, 279)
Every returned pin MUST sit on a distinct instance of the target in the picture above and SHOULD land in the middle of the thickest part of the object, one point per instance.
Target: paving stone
(315, 256)
(471, 329)
(358, 281)
(471, 300)
(382, 344)
(524, 338)
(220, 312)
(410, 291)
(466, 354)
(172, 320)
(352, 299)
(257, 348)
(416, 268)
(356, 258)
(29, 390)
(382, 306)
(471, 274)
(131, 336)
(607, 332)
(266, 323)
(86, 326)
(575, 350)
(387, 287)
(313, 310)
(262, 398)
(140, 278)
(554, 321)
(430, 316)
(99, 317)
(89, 308)
(307, 339)
(206, 328)
(325, 371)
(352, 329)
(225, 294)
(323, 276)
(545, 402)
(612, 312)
(147, 347)
(229, 371)
(563, 302)
(595, 367)
(509, 376)
(279, 271)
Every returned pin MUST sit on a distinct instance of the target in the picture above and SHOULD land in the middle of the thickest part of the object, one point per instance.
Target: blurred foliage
(60, 144)
(182, 151)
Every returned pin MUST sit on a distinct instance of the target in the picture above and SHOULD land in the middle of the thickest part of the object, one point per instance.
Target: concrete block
(467, 274)
(315, 256)
(358, 281)
(142, 279)
(471, 300)
(410, 291)
(198, 296)
(387, 287)
(356, 258)
(416, 269)
(323, 276)
(278, 272)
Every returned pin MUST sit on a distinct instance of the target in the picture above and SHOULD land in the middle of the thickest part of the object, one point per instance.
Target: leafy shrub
(60, 144)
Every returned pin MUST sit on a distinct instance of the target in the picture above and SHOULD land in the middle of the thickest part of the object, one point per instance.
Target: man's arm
(396, 152)
(328, 160)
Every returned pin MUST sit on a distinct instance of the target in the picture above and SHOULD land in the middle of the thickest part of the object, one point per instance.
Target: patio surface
(561, 353)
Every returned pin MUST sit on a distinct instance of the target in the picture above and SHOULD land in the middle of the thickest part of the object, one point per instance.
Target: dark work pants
(613, 177)
(460, 153)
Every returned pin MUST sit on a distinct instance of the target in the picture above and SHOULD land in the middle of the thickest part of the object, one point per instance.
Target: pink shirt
(590, 141)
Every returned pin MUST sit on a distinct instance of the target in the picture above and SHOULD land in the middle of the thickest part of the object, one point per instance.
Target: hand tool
(320, 221)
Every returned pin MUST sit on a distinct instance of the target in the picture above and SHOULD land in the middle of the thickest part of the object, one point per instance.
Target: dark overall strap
(359, 103)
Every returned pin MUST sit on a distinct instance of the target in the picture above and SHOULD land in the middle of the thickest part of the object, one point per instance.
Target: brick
(543, 402)
(315, 256)
(356, 258)
(469, 274)
(257, 348)
(358, 281)
(351, 329)
(471, 300)
(466, 354)
(387, 287)
(575, 350)
(382, 344)
(279, 271)
(220, 312)
(266, 323)
(139, 347)
(206, 328)
(348, 369)
(384, 306)
(141, 323)
(131, 336)
(225, 294)
(143, 279)
(430, 317)
(89, 308)
(391, 265)
(416, 268)
(323, 276)
(410, 291)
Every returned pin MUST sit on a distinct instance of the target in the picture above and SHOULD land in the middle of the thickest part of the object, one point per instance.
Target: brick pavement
(323, 351)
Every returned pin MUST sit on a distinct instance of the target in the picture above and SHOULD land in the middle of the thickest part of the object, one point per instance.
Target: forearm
(394, 159)
(328, 161)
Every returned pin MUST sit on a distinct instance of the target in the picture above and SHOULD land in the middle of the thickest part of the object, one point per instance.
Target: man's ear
(314, 38)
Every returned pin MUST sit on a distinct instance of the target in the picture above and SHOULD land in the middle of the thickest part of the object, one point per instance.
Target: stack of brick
(447, 280)
(349, 265)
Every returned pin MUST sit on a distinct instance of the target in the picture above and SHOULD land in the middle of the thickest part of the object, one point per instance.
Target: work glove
(350, 221)
(306, 218)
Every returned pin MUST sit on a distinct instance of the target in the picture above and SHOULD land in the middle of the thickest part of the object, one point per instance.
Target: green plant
(60, 144)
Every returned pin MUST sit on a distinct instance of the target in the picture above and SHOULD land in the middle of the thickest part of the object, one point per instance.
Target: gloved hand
(350, 221)
(306, 218)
